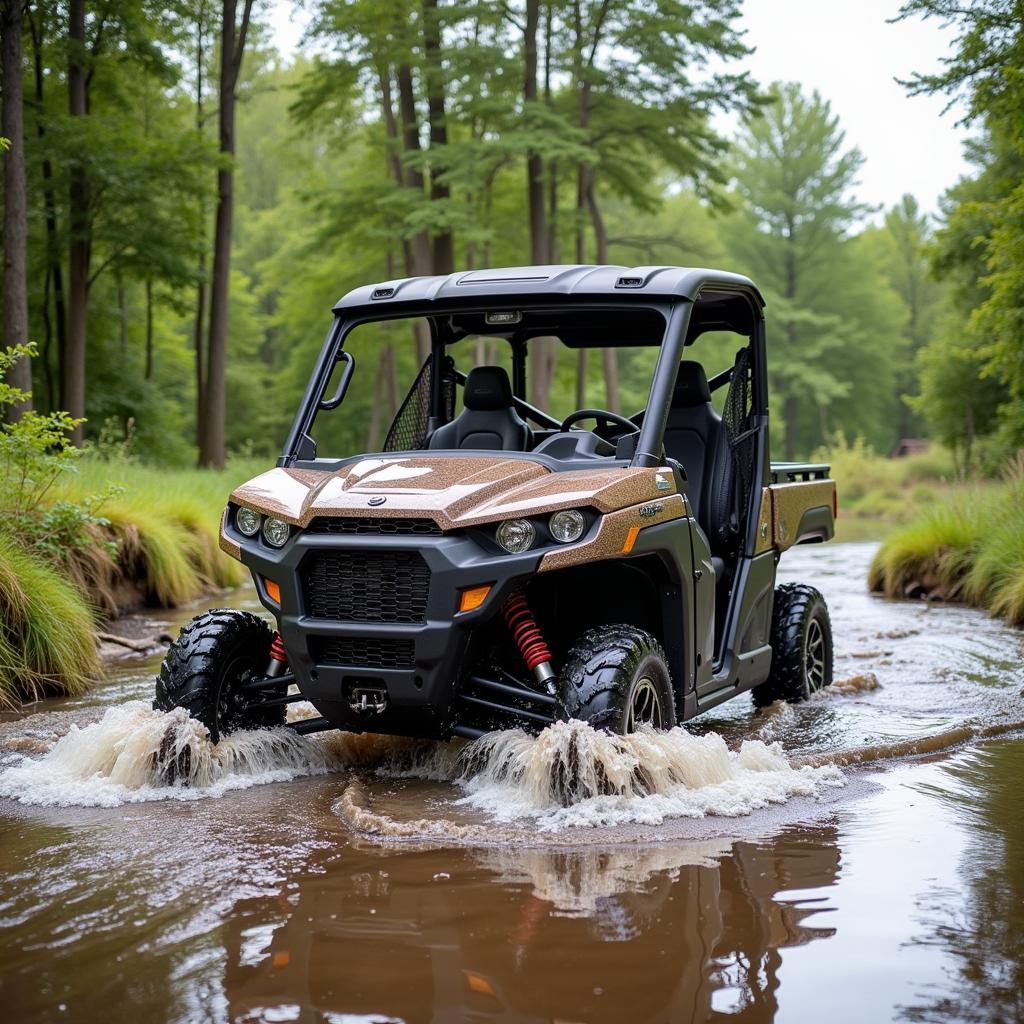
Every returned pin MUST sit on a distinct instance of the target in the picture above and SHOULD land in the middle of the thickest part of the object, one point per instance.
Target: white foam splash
(573, 776)
(568, 776)
(124, 758)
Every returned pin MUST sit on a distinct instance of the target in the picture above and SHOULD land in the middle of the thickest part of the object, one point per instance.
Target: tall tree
(54, 271)
(794, 178)
(645, 92)
(72, 369)
(15, 229)
(199, 325)
(901, 249)
(983, 68)
(232, 46)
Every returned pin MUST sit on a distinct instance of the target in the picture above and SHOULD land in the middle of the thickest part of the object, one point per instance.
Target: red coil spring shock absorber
(528, 637)
(278, 657)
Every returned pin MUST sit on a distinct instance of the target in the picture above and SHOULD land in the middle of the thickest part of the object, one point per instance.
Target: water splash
(134, 754)
(574, 776)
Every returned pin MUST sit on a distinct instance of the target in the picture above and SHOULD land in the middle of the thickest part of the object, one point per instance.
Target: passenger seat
(488, 419)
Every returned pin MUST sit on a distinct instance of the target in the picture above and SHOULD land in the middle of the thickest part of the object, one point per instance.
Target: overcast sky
(845, 50)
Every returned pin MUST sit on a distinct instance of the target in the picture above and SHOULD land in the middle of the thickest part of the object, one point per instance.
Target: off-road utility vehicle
(502, 567)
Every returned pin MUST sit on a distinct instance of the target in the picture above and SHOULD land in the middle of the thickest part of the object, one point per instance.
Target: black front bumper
(421, 696)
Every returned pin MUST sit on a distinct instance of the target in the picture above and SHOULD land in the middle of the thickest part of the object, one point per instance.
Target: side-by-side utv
(496, 566)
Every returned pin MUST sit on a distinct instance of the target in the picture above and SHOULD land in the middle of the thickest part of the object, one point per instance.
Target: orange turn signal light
(273, 590)
(471, 598)
(630, 539)
(478, 983)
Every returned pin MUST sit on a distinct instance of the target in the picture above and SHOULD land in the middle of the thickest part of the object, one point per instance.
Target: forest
(190, 205)
(183, 205)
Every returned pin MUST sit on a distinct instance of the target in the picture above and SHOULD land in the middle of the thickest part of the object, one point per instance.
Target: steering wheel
(604, 420)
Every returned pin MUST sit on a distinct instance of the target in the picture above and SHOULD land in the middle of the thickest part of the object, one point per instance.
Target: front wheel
(801, 646)
(207, 668)
(616, 678)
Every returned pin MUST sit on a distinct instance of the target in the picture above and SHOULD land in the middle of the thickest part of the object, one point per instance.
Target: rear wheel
(207, 668)
(801, 646)
(616, 678)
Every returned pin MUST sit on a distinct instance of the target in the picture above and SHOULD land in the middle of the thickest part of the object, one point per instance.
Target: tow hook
(368, 700)
(529, 639)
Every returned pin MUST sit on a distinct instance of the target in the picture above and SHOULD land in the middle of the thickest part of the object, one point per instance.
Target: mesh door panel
(408, 431)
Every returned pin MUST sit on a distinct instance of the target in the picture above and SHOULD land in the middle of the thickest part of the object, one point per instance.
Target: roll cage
(687, 303)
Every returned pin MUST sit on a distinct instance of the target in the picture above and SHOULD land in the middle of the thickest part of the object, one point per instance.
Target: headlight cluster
(519, 535)
(275, 531)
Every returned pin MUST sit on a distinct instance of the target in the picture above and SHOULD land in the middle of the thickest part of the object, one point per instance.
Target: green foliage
(875, 487)
(981, 248)
(34, 453)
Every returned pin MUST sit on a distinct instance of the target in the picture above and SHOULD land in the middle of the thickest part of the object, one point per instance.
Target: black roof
(603, 282)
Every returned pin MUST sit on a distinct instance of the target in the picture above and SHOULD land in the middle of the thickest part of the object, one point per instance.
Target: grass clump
(967, 546)
(165, 524)
(47, 644)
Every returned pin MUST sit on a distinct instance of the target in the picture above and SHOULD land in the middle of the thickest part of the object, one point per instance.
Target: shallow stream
(859, 857)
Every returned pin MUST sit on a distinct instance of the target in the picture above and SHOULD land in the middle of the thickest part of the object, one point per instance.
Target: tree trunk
(790, 404)
(393, 156)
(539, 246)
(444, 245)
(199, 353)
(53, 261)
(122, 313)
(789, 413)
(543, 351)
(15, 230)
(149, 329)
(609, 356)
(212, 447)
(422, 256)
(72, 379)
(423, 259)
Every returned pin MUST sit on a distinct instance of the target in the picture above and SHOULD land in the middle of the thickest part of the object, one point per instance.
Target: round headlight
(275, 532)
(516, 535)
(247, 521)
(567, 526)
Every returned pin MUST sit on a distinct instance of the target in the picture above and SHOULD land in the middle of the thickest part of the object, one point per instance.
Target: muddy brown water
(377, 891)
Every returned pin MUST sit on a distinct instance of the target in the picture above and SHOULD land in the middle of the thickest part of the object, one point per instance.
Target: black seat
(488, 419)
(693, 434)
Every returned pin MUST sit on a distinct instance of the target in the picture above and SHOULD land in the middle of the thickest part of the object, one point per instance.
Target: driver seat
(488, 419)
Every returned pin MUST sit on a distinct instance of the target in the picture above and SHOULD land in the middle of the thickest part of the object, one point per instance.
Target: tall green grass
(967, 546)
(46, 644)
(166, 524)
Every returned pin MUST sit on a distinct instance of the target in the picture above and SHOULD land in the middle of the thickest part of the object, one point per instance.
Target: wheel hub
(644, 706)
(814, 659)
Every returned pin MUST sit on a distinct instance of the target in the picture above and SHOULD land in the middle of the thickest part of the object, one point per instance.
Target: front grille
(364, 652)
(366, 586)
(377, 527)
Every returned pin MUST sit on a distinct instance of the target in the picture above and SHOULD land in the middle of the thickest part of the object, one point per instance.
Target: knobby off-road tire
(801, 646)
(616, 678)
(205, 668)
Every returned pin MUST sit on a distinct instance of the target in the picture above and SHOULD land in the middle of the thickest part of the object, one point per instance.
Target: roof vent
(629, 282)
(382, 293)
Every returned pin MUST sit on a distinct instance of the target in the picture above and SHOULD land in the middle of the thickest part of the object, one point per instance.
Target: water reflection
(981, 927)
(642, 935)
